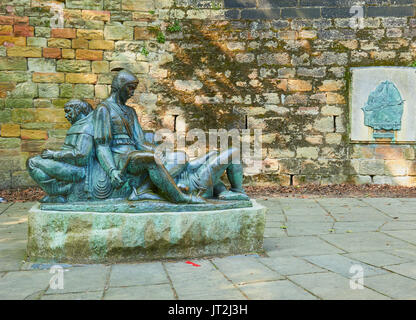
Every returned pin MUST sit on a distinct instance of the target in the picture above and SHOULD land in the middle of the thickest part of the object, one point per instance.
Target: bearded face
(127, 91)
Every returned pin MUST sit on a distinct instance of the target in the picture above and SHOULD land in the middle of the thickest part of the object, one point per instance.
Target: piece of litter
(192, 264)
(2, 200)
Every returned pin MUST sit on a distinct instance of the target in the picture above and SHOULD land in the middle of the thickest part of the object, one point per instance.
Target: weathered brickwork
(277, 65)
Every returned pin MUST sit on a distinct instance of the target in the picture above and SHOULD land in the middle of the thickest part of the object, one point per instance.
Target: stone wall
(278, 65)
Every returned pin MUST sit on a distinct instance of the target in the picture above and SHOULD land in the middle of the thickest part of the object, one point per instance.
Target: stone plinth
(98, 237)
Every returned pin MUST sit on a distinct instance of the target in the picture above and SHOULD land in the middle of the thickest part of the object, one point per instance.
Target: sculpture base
(108, 237)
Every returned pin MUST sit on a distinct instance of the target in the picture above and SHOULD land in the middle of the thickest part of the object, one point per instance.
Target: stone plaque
(382, 105)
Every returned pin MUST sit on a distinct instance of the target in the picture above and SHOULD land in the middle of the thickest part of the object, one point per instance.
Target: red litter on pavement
(192, 264)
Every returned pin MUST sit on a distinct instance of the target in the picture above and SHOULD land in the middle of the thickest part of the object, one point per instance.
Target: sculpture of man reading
(120, 144)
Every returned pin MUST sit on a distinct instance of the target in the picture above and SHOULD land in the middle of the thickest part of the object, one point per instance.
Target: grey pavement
(314, 249)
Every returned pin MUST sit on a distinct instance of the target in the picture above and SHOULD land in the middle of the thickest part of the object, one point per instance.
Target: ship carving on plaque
(384, 110)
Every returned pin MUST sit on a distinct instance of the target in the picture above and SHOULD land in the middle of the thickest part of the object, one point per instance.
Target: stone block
(52, 53)
(143, 33)
(22, 179)
(80, 43)
(48, 77)
(5, 180)
(41, 65)
(36, 42)
(34, 134)
(68, 54)
(83, 54)
(90, 34)
(25, 90)
(118, 33)
(84, 91)
(68, 33)
(27, 52)
(9, 143)
(138, 5)
(331, 85)
(100, 67)
(307, 152)
(188, 85)
(19, 103)
(101, 45)
(96, 15)
(371, 167)
(299, 85)
(81, 78)
(73, 66)
(48, 90)
(9, 40)
(91, 237)
(8, 63)
(23, 31)
(10, 130)
(59, 43)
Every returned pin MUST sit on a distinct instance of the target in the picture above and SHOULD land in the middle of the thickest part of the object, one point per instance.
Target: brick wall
(278, 65)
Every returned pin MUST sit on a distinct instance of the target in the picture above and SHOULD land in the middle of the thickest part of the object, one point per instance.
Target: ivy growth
(144, 51)
(175, 27)
(161, 37)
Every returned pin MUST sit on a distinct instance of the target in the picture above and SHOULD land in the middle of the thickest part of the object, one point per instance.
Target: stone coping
(123, 206)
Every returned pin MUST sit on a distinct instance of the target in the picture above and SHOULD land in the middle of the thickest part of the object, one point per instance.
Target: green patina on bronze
(107, 156)
(384, 110)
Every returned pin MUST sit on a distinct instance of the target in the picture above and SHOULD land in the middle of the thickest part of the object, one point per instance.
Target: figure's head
(124, 84)
(76, 109)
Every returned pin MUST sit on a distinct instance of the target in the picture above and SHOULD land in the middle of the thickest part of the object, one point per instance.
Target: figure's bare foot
(145, 196)
(193, 199)
(231, 195)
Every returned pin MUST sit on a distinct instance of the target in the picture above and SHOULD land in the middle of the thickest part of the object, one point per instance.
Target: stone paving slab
(148, 292)
(341, 202)
(331, 286)
(365, 241)
(405, 235)
(358, 226)
(94, 295)
(290, 265)
(399, 225)
(393, 285)
(405, 269)
(4, 206)
(241, 270)
(341, 265)
(81, 279)
(377, 258)
(204, 282)
(137, 274)
(298, 246)
(274, 232)
(308, 228)
(22, 284)
(276, 290)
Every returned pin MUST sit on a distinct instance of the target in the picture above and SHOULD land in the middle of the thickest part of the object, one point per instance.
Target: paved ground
(315, 249)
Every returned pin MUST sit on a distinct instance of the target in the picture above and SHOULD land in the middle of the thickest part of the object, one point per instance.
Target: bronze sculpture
(57, 171)
(106, 156)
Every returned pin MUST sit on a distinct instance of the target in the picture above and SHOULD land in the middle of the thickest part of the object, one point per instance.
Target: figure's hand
(116, 179)
(47, 154)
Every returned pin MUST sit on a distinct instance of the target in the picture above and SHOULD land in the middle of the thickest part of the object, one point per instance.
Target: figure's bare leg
(223, 162)
(49, 174)
(142, 160)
